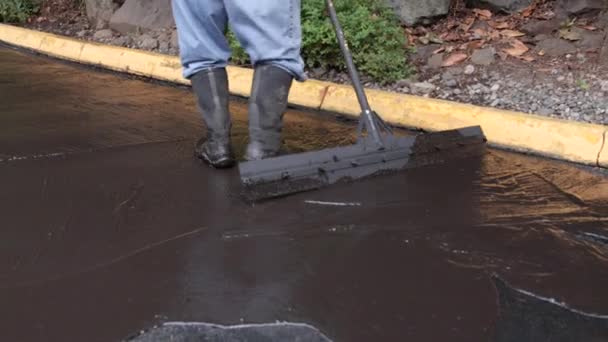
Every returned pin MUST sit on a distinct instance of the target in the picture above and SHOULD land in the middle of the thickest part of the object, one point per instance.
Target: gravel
(560, 92)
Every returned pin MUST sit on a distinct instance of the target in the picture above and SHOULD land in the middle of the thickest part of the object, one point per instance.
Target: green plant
(375, 37)
(17, 11)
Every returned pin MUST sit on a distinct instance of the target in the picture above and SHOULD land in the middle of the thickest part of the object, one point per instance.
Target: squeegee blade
(285, 175)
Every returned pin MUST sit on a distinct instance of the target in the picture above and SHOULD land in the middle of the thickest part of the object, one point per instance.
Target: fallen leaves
(454, 59)
(589, 28)
(517, 48)
(569, 34)
(511, 33)
(483, 14)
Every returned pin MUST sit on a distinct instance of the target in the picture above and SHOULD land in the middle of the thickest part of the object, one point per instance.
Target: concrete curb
(567, 140)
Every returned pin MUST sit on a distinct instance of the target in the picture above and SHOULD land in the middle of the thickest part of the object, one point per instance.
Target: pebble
(469, 70)
(103, 34)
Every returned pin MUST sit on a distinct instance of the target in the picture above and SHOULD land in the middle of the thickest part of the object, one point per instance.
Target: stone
(100, 10)
(469, 70)
(435, 61)
(136, 15)
(423, 87)
(103, 34)
(555, 47)
(174, 42)
(451, 83)
(483, 57)
(413, 12)
(163, 46)
(81, 34)
(536, 27)
(604, 86)
(122, 41)
(507, 6)
(147, 43)
(590, 40)
(582, 6)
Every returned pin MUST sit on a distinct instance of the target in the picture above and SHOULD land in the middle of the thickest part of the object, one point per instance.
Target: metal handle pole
(354, 75)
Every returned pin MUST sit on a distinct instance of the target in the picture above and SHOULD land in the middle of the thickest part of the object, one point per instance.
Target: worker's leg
(201, 26)
(204, 53)
(270, 32)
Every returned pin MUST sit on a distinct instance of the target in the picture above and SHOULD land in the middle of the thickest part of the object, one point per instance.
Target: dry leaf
(483, 14)
(480, 32)
(451, 36)
(441, 49)
(517, 48)
(468, 23)
(569, 35)
(454, 59)
(512, 33)
(494, 35)
(527, 58)
(474, 45)
(528, 11)
(589, 28)
(500, 26)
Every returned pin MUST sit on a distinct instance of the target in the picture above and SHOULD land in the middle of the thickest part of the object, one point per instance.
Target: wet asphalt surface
(110, 227)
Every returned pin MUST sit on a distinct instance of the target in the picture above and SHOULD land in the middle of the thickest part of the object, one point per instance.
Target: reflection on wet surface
(111, 227)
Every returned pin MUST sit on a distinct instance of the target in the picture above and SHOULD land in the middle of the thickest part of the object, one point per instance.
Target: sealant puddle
(527, 317)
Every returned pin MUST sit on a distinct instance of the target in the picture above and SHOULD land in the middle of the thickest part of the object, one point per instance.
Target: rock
(81, 34)
(555, 47)
(508, 6)
(419, 12)
(495, 88)
(590, 40)
(147, 43)
(451, 83)
(483, 56)
(424, 52)
(103, 34)
(581, 6)
(122, 41)
(536, 27)
(541, 37)
(403, 83)
(135, 15)
(469, 70)
(100, 10)
(604, 86)
(423, 87)
(163, 47)
(174, 42)
(435, 61)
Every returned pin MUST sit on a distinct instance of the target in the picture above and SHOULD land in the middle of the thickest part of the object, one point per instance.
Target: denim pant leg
(201, 27)
(270, 31)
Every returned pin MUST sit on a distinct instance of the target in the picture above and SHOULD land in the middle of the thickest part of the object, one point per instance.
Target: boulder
(582, 6)
(483, 56)
(136, 15)
(555, 47)
(507, 6)
(413, 12)
(100, 10)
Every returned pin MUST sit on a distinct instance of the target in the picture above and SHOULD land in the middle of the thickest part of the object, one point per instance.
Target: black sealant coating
(110, 226)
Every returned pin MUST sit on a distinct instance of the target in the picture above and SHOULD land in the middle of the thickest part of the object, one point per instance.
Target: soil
(556, 77)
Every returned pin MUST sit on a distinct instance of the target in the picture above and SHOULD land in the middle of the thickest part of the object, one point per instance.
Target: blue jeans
(269, 30)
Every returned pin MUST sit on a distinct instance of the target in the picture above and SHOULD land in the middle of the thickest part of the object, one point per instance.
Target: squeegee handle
(366, 110)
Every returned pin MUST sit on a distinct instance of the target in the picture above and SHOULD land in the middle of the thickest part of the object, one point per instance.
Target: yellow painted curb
(567, 140)
(603, 159)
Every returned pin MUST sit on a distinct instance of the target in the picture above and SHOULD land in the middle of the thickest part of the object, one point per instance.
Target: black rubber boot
(211, 90)
(267, 105)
